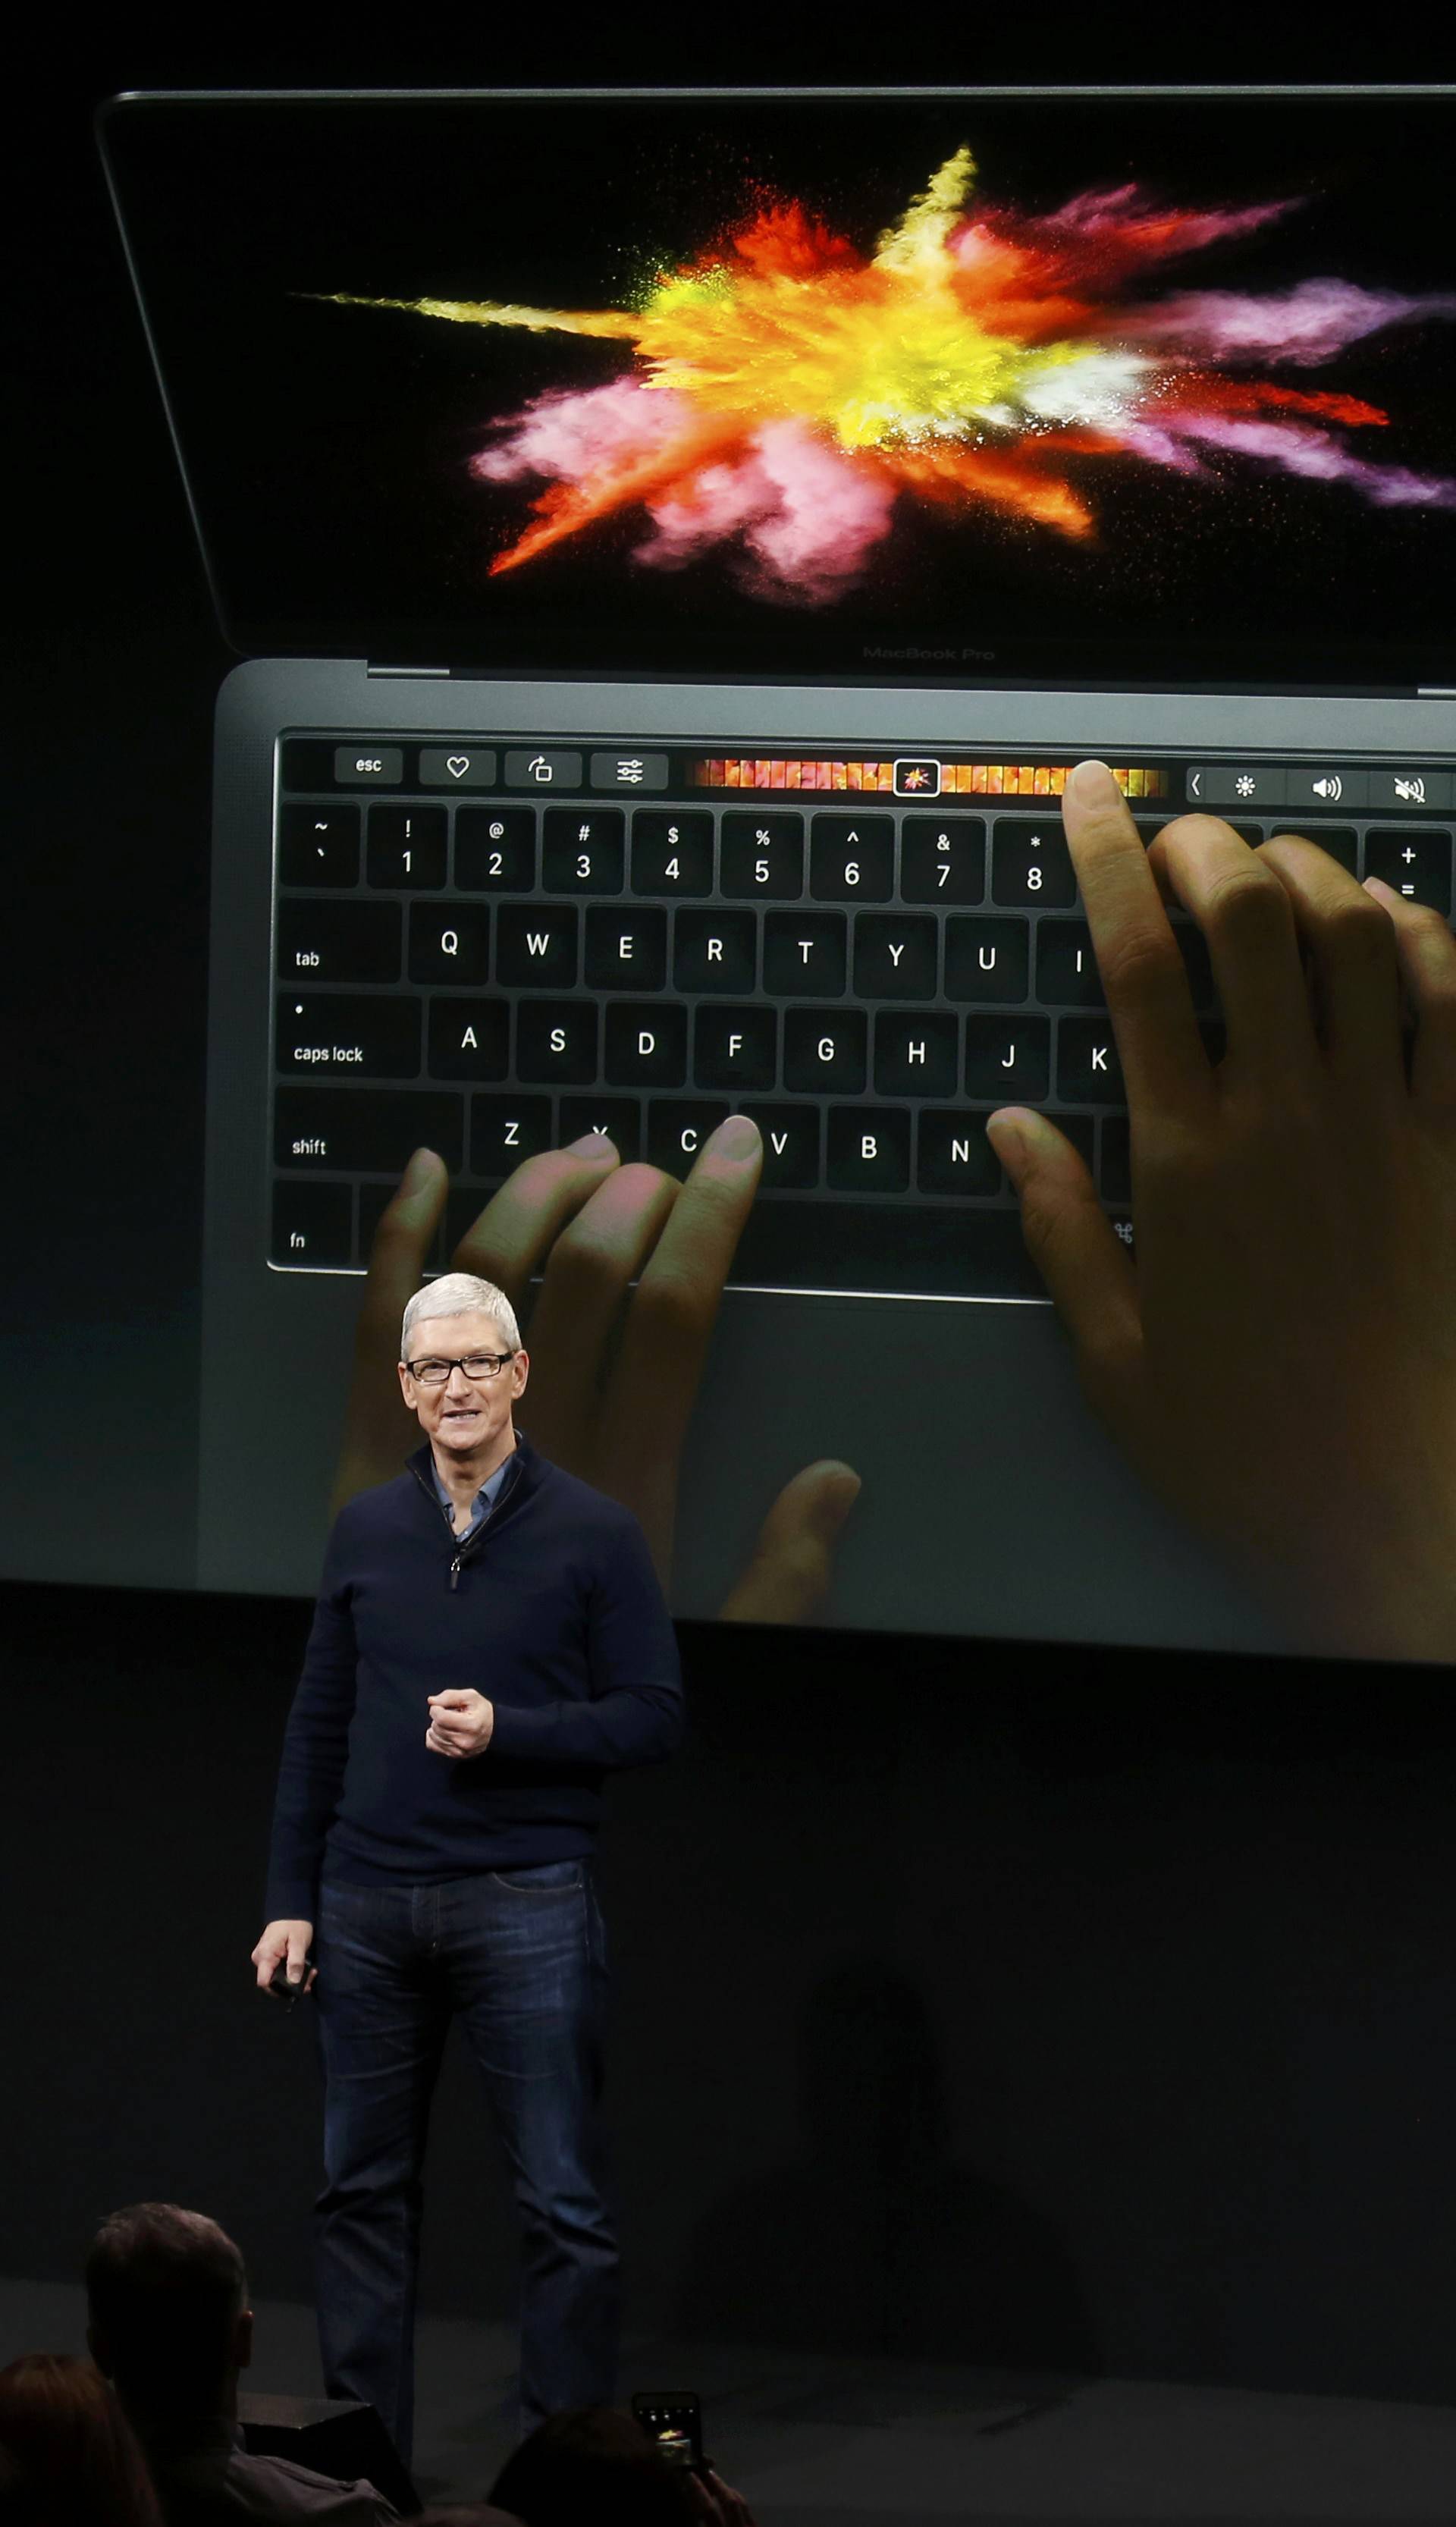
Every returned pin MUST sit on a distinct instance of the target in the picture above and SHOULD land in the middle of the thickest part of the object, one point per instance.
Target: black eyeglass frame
(477, 1377)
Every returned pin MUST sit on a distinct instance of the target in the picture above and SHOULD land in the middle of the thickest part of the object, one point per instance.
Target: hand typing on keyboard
(614, 1370)
(1281, 1362)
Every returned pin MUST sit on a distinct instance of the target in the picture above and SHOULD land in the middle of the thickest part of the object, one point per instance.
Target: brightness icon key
(1236, 785)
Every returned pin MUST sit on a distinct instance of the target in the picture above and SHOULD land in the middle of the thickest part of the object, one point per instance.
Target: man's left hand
(460, 1724)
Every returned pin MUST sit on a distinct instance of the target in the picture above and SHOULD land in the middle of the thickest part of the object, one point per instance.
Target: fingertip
(1092, 784)
(593, 1145)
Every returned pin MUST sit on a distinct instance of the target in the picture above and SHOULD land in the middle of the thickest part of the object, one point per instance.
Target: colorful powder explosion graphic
(787, 391)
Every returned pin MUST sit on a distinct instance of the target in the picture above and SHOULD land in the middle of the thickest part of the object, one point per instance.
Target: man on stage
(489, 1639)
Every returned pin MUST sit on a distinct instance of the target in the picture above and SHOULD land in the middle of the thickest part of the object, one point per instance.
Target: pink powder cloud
(1305, 327)
(569, 437)
(808, 518)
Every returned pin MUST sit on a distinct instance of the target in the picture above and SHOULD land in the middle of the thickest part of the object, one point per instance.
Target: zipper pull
(455, 1571)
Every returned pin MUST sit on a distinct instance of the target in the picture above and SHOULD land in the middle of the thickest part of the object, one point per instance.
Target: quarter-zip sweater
(550, 1609)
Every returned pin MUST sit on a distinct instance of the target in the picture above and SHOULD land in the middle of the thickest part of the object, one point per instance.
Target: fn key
(313, 1227)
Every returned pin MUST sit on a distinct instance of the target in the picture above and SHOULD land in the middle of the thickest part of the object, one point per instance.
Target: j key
(647, 1043)
(334, 1035)
(987, 960)
(338, 943)
(943, 860)
(716, 952)
(915, 1054)
(626, 949)
(1008, 1057)
(584, 850)
(504, 1130)
(406, 847)
(672, 854)
(955, 1155)
(1114, 1169)
(677, 1129)
(617, 1119)
(449, 943)
(1088, 1071)
(557, 1040)
(496, 850)
(1066, 975)
(791, 1145)
(313, 1227)
(868, 1148)
(1030, 862)
(804, 952)
(368, 1131)
(318, 846)
(1417, 865)
(762, 856)
(827, 1049)
(735, 1049)
(895, 957)
(469, 1039)
(536, 944)
(852, 860)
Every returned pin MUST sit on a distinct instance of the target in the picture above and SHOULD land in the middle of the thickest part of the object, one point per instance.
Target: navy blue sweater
(551, 1609)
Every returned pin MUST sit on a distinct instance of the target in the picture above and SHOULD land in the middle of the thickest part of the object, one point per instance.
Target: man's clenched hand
(460, 1723)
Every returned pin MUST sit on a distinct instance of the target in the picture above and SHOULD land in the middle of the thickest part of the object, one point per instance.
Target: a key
(366, 1131)
(450, 943)
(987, 960)
(334, 1035)
(868, 1148)
(762, 856)
(313, 1227)
(827, 1049)
(504, 1130)
(556, 1041)
(852, 860)
(338, 943)
(1030, 863)
(406, 847)
(647, 1043)
(536, 946)
(1008, 1057)
(672, 854)
(714, 952)
(914, 1052)
(626, 949)
(469, 1039)
(791, 1136)
(895, 957)
(943, 860)
(496, 850)
(804, 952)
(318, 846)
(735, 1049)
(584, 850)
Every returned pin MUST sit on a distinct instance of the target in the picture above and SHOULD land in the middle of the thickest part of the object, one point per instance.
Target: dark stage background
(1086, 2011)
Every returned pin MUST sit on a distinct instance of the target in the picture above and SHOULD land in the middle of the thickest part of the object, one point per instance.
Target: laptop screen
(959, 389)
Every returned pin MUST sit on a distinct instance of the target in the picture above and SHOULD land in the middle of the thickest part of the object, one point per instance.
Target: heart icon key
(457, 764)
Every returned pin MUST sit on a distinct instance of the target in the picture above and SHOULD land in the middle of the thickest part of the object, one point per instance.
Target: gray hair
(455, 1293)
(165, 2288)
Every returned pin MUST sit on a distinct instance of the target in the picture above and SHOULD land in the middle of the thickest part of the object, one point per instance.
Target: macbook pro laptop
(676, 544)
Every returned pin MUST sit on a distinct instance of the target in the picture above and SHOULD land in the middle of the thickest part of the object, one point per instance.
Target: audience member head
(595, 2468)
(71, 2457)
(169, 2320)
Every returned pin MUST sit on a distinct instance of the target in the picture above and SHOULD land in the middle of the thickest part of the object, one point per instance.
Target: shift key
(319, 942)
(368, 1131)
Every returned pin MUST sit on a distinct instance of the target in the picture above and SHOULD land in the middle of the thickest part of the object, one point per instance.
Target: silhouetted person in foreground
(170, 2326)
(597, 2468)
(68, 2457)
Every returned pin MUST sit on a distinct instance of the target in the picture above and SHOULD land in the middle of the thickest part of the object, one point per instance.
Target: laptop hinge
(406, 671)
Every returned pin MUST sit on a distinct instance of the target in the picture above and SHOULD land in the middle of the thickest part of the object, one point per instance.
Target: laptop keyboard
(492, 948)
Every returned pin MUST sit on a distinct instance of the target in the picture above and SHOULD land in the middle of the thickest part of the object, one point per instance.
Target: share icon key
(457, 767)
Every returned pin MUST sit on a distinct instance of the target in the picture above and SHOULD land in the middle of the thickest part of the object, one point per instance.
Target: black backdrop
(1087, 2010)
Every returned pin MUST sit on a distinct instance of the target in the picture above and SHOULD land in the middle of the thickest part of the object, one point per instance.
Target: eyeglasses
(476, 1364)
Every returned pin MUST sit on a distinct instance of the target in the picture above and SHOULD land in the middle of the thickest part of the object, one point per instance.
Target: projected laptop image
(677, 546)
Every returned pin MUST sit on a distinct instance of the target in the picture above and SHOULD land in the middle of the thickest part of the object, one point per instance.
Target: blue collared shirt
(483, 1502)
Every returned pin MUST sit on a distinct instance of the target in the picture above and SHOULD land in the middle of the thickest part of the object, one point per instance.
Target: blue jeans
(520, 1955)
